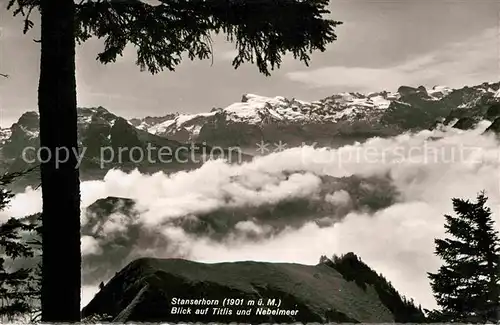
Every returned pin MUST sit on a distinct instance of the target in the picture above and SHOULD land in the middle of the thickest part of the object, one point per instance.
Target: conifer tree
(19, 286)
(263, 31)
(354, 269)
(466, 286)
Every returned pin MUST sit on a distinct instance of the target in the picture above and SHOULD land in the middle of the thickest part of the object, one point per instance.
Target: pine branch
(8, 178)
(262, 30)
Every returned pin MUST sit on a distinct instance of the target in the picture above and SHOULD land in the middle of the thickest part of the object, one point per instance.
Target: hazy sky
(381, 45)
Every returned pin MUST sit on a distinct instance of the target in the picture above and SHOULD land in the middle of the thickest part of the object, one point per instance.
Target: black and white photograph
(250, 161)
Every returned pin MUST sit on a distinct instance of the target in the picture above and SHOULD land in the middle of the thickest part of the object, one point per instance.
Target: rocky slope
(97, 129)
(107, 141)
(145, 291)
(354, 269)
(343, 116)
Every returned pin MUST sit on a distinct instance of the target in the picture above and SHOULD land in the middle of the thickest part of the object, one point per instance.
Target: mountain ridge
(324, 294)
(378, 100)
(337, 120)
(257, 111)
(106, 141)
(254, 111)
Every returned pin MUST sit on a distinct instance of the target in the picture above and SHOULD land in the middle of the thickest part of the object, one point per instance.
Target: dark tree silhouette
(263, 31)
(354, 269)
(19, 286)
(466, 286)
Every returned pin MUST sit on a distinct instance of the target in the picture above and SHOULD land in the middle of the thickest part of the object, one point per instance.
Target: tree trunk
(61, 261)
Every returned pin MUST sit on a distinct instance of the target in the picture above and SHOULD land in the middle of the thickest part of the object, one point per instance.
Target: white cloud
(206, 189)
(251, 227)
(472, 61)
(90, 246)
(23, 204)
(341, 197)
(116, 223)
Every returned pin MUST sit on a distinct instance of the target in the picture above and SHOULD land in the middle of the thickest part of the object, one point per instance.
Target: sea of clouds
(427, 168)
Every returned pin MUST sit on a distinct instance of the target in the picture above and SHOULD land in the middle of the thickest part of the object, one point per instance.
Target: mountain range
(333, 121)
(257, 118)
(334, 118)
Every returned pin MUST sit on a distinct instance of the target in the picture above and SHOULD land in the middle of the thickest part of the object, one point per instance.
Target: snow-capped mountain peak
(439, 92)
(4, 135)
(258, 111)
(254, 115)
(172, 123)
